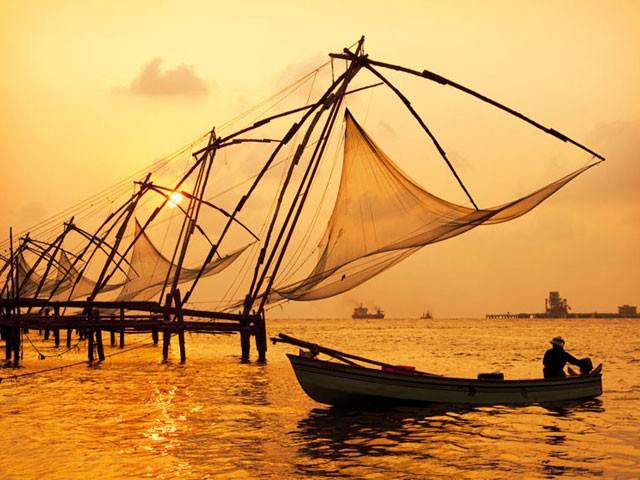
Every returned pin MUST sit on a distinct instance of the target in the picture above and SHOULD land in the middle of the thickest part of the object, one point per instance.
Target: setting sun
(175, 198)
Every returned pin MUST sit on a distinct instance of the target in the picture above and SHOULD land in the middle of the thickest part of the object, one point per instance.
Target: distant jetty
(557, 307)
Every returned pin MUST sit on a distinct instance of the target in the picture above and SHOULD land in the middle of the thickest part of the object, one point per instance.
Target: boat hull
(332, 383)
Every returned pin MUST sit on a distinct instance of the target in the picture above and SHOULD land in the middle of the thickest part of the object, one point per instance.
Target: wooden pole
(103, 278)
(245, 335)
(121, 330)
(271, 267)
(16, 346)
(180, 318)
(8, 337)
(315, 349)
(100, 345)
(166, 334)
(91, 334)
(245, 341)
(8, 342)
(154, 333)
(166, 342)
(261, 338)
(56, 313)
(90, 345)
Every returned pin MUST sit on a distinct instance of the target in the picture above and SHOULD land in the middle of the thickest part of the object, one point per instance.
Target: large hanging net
(382, 216)
(71, 284)
(64, 281)
(149, 270)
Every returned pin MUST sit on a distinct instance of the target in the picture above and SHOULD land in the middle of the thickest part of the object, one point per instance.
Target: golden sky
(92, 92)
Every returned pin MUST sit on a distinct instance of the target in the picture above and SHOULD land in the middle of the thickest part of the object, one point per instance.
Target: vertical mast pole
(12, 267)
(56, 245)
(120, 234)
(295, 209)
(193, 210)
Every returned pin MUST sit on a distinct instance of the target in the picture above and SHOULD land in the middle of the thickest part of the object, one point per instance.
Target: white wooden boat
(346, 382)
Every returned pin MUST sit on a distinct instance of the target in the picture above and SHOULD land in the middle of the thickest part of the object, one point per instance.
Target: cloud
(179, 82)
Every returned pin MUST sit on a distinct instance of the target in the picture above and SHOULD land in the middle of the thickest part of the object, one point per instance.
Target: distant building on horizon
(556, 307)
(627, 310)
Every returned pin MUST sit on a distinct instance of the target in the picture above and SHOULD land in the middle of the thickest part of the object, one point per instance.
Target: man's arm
(571, 359)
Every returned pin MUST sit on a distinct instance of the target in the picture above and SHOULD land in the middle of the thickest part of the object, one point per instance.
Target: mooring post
(69, 331)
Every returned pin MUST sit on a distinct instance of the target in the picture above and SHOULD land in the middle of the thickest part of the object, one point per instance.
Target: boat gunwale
(420, 377)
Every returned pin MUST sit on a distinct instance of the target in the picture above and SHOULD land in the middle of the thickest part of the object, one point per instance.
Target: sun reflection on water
(218, 418)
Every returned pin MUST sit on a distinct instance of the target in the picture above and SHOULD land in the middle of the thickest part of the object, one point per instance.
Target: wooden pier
(567, 315)
(92, 319)
(557, 307)
(508, 315)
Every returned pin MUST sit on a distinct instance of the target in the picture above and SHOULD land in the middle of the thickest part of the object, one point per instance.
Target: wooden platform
(90, 319)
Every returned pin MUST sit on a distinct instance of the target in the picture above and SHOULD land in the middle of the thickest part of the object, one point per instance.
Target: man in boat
(556, 358)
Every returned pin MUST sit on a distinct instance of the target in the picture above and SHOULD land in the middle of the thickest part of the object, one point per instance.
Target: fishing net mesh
(382, 216)
(149, 269)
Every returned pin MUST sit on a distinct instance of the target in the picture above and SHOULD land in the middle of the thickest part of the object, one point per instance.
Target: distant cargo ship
(363, 312)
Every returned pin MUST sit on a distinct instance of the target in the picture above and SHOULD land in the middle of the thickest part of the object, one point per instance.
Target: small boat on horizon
(363, 312)
(426, 316)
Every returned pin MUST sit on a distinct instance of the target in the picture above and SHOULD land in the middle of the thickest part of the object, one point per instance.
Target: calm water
(134, 417)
